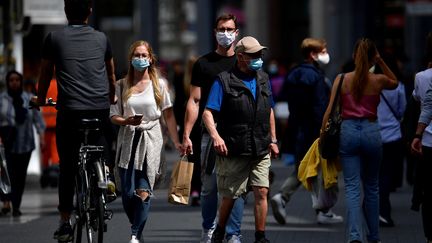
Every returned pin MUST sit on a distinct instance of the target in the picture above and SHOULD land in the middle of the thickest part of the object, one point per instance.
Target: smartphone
(138, 116)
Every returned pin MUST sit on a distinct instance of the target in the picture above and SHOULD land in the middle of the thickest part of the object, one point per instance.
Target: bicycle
(91, 188)
(90, 185)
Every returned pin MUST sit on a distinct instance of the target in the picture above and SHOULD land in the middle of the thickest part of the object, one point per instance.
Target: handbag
(5, 185)
(180, 183)
(329, 139)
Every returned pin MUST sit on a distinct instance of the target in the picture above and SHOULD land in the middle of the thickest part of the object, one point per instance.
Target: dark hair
(10, 73)
(77, 10)
(226, 17)
(364, 55)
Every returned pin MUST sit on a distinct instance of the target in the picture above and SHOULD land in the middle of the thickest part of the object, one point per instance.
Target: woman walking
(143, 98)
(360, 140)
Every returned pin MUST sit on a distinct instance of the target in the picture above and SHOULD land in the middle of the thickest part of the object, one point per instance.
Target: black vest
(244, 122)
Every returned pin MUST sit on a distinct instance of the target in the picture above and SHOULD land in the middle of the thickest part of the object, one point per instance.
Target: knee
(144, 195)
(261, 193)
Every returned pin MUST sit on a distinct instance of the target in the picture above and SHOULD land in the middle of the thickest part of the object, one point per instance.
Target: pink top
(366, 108)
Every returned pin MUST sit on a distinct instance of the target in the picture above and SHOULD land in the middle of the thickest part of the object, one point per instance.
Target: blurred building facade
(178, 29)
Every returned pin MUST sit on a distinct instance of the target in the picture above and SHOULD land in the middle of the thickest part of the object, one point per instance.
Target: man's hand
(219, 146)
(187, 145)
(274, 150)
(416, 146)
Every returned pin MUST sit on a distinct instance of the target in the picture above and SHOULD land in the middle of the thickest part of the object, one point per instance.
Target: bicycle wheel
(95, 216)
(79, 212)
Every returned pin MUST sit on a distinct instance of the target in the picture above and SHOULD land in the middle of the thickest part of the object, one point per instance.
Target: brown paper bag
(180, 184)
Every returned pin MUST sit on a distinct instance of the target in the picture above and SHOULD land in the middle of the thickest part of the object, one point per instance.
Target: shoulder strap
(336, 102)
(121, 95)
(389, 106)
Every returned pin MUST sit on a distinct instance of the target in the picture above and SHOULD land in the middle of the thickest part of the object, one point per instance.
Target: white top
(421, 85)
(143, 103)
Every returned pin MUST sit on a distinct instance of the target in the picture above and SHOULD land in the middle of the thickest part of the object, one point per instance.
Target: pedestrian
(82, 60)
(50, 158)
(17, 135)
(307, 93)
(360, 148)
(422, 143)
(143, 99)
(391, 109)
(196, 140)
(245, 136)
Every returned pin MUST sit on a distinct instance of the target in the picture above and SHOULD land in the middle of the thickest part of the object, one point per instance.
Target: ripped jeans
(137, 210)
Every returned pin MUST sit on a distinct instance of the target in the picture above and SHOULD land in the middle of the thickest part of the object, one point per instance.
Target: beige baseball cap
(248, 44)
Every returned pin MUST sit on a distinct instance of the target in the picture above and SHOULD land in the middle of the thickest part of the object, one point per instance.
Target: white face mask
(226, 38)
(372, 69)
(323, 58)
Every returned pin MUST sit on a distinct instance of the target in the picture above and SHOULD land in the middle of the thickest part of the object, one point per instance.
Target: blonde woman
(142, 99)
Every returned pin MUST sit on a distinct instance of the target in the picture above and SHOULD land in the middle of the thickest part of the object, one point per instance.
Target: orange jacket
(49, 113)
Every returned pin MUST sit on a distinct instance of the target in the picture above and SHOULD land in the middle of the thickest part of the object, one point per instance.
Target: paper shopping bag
(180, 184)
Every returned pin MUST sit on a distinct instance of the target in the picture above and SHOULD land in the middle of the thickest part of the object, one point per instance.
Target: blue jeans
(360, 154)
(209, 195)
(136, 209)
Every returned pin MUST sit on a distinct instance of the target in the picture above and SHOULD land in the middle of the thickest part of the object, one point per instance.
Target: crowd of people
(275, 107)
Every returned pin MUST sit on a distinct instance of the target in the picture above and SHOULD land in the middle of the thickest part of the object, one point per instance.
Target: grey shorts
(236, 174)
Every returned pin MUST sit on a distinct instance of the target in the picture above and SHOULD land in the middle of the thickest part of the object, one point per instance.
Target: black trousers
(69, 138)
(424, 171)
(392, 159)
(17, 168)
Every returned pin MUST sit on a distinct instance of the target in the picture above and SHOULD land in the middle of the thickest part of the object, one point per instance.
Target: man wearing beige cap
(245, 136)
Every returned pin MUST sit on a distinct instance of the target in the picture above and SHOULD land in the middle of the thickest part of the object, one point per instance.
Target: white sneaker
(134, 239)
(235, 239)
(206, 235)
(278, 208)
(329, 218)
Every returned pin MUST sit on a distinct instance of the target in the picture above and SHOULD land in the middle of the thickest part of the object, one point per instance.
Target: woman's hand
(133, 120)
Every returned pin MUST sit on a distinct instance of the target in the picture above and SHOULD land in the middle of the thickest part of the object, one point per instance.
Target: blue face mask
(140, 63)
(255, 64)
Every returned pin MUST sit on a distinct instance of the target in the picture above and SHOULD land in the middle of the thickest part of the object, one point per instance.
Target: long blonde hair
(364, 54)
(152, 70)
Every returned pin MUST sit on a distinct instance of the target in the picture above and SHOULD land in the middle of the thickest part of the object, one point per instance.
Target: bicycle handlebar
(49, 102)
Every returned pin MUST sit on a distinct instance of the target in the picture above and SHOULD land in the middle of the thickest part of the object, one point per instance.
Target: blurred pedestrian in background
(360, 148)
(17, 135)
(391, 109)
(196, 140)
(50, 158)
(143, 99)
(245, 136)
(422, 144)
(307, 93)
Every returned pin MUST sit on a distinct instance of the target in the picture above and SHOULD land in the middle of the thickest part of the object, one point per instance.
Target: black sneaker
(64, 233)
(218, 236)
(262, 240)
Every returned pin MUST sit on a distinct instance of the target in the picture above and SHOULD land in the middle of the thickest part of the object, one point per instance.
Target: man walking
(204, 73)
(307, 93)
(245, 135)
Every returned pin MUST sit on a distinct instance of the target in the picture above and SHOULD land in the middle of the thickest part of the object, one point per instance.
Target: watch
(275, 141)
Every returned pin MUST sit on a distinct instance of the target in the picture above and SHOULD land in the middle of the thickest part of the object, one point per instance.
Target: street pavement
(174, 223)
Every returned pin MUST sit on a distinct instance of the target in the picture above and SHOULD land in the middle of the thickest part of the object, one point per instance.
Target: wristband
(419, 136)
(274, 141)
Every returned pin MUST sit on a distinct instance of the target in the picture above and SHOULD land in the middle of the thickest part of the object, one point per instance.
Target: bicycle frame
(91, 185)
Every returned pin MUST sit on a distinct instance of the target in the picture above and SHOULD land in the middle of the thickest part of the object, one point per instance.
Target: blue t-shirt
(214, 101)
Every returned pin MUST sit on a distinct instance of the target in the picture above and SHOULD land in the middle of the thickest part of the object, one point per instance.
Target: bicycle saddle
(91, 124)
